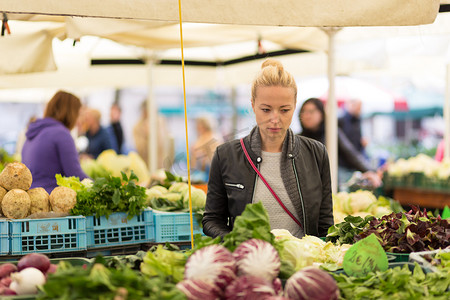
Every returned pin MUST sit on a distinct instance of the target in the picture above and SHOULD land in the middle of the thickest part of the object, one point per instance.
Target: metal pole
(331, 123)
(152, 114)
(447, 116)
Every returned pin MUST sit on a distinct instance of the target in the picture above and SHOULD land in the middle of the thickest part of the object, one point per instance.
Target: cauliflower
(63, 199)
(16, 204)
(360, 201)
(39, 200)
(16, 176)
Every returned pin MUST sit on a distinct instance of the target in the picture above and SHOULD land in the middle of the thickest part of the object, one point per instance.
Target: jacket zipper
(237, 185)
(254, 185)
(301, 197)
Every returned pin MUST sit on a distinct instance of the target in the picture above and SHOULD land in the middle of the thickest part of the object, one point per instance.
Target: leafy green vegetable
(345, 232)
(164, 263)
(71, 182)
(99, 282)
(130, 261)
(395, 283)
(109, 195)
(164, 204)
(252, 223)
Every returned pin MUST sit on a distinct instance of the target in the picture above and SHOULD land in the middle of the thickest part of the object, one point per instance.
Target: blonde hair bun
(270, 62)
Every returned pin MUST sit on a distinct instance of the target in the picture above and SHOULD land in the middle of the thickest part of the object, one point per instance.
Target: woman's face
(274, 107)
(310, 116)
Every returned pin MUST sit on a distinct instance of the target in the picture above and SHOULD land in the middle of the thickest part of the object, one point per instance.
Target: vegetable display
(395, 283)
(362, 203)
(409, 232)
(109, 195)
(309, 251)
(176, 197)
(97, 281)
(27, 276)
(345, 232)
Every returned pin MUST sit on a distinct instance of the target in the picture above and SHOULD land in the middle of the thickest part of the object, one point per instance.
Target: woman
(296, 168)
(49, 148)
(312, 120)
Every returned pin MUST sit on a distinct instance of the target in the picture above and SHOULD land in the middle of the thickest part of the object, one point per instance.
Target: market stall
(114, 211)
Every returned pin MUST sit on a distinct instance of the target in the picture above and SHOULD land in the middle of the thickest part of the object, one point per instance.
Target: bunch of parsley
(109, 195)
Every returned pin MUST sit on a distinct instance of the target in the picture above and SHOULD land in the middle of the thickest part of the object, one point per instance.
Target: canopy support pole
(152, 115)
(331, 123)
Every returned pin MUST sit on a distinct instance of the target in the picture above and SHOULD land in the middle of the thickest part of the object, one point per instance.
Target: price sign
(365, 256)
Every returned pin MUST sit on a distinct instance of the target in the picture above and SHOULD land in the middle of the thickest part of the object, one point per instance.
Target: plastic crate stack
(79, 233)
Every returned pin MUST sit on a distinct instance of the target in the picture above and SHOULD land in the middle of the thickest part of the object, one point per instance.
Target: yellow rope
(186, 126)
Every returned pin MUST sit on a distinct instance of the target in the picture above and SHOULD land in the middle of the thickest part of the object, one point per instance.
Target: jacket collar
(254, 144)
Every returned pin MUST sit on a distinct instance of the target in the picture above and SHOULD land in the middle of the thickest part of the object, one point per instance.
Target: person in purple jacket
(49, 148)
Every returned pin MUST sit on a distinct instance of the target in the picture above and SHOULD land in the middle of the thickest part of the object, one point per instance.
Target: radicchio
(311, 283)
(258, 258)
(214, 264)
(249, 288)
(197, 289)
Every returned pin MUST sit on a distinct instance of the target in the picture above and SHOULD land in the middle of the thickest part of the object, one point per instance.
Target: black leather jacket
(306, 177)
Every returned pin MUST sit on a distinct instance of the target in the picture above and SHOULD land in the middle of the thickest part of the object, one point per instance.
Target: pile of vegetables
(420, 164)
(19, 201)
(309, 251)
(395, 283)
(345, 232)
(109, 163)
(408, 232)
(176, 197)
(250, 272)
(362, 203)
(24, 278)
(413, 231)
(107, 195)
(97, 281)
(419, 171)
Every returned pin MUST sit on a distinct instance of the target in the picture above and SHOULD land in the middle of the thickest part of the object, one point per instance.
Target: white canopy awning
(250, 12)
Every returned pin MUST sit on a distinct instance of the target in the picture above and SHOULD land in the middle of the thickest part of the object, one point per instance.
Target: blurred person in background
(350, 123)
(141, 138)
(312, 121)
(204, 147)
(115, 128)
(98, 137)
(49, 148)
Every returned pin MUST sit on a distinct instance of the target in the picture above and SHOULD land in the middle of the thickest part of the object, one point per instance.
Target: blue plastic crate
(4, 237)
(47, 235)
(117, 229)
(174, 227)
